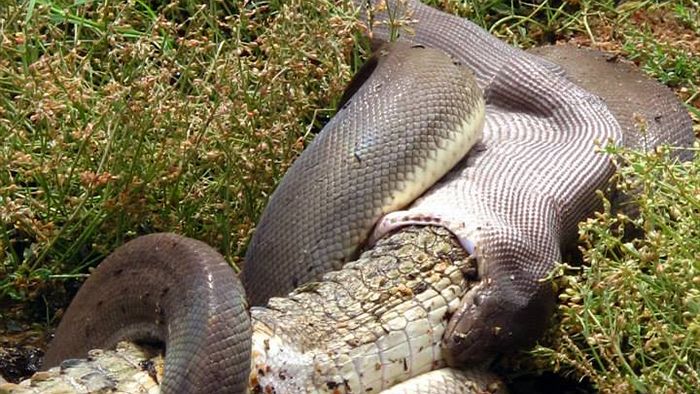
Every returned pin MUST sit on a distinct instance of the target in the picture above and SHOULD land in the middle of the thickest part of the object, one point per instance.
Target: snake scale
(513, 202)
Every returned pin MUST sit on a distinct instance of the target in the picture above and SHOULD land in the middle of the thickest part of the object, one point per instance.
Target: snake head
(492, 320)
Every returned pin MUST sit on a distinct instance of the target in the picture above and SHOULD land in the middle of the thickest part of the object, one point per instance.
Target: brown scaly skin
(169, 289)
(383, 149)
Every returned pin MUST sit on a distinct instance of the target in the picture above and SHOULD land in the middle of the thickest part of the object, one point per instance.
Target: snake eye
(471, 269)
(478, 299)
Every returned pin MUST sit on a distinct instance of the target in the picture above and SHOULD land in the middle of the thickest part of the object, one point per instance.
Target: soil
(21, 349)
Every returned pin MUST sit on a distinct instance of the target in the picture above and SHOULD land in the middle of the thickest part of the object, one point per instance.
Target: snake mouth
(467, 338)
(488, 324)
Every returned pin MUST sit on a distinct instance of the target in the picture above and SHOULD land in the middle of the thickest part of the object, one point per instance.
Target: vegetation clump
(124, 118)
(629, 321)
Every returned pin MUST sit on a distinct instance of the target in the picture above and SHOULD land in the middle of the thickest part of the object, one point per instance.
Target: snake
(447, 127)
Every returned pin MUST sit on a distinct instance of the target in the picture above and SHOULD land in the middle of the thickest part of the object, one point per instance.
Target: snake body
(521, 194)
(513, 202)
(370, 159)
(169, 289)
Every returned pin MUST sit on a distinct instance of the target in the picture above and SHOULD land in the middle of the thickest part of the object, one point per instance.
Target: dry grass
(118, 119)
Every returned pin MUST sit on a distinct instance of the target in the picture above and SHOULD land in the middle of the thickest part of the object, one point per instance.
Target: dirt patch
(21, 350)
(17, 363)
(655, 25)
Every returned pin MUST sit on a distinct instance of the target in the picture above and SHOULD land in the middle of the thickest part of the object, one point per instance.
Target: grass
(124, 118)
(120, 119)
(629, 320)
